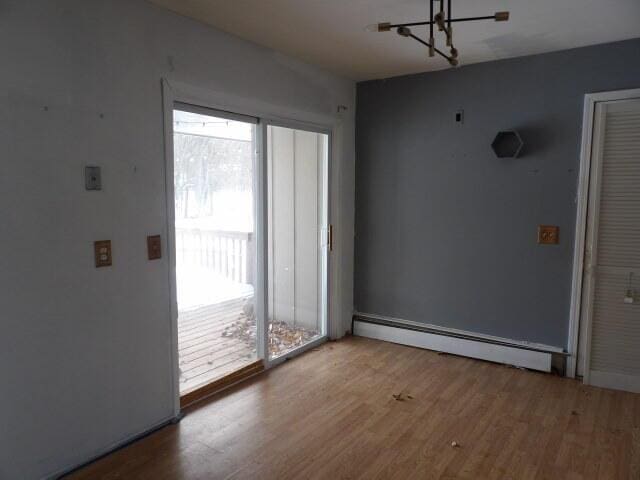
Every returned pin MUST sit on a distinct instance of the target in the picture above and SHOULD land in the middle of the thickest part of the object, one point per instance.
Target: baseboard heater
(457, 342)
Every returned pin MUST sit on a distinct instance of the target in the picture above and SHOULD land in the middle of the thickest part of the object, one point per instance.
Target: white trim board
(463, 333)
(520, 357)
(616, 381)
(577, 332)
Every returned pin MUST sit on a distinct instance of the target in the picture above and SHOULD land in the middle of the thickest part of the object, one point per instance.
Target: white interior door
(611, 307)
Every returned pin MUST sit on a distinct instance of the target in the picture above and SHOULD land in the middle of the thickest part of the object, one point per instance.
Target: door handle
(330, 237)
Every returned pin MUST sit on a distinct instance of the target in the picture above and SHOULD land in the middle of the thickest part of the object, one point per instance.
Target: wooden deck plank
(213, 357)
(211, 344)
(194, 321)
(204, 353)
(212, 324)
(221, 367)
(188, 322)
(211, 336)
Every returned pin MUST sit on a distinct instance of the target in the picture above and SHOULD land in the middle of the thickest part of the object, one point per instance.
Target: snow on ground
(198, 286)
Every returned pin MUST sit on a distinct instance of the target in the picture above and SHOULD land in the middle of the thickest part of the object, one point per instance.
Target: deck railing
(230, 254)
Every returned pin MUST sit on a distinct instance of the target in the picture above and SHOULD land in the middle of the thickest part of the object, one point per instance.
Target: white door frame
(267, 114)
(588, 182)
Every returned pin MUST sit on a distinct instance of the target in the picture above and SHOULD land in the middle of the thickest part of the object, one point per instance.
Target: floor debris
(401, 397)
(282, 336)
(244, 328)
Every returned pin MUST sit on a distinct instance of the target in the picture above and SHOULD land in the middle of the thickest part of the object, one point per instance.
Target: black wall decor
(507, 144)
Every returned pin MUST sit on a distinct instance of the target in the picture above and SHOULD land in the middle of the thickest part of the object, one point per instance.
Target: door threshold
(216, 386)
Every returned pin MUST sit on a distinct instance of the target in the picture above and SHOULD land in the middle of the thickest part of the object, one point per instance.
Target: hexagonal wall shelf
(507, 144)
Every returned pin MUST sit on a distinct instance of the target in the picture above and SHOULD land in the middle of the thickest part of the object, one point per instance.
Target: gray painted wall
(445, 231)
(85, 354)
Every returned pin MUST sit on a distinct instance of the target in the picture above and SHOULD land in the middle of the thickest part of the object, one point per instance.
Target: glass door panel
(214, 161)
(297, 172)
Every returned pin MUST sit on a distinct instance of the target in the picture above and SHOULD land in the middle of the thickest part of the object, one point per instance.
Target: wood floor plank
(331, 414)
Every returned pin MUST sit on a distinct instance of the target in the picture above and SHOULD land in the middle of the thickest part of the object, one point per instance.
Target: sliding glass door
(214, 179)
(251, 242)
(297, 223)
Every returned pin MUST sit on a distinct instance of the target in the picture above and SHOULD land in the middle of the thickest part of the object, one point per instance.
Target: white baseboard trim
(466, 347)
(615, 381)
(461, 333)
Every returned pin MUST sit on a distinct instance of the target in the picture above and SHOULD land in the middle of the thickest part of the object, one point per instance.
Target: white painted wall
(85, 354)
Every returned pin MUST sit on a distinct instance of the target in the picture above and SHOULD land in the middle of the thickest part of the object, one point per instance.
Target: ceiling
(333, 34)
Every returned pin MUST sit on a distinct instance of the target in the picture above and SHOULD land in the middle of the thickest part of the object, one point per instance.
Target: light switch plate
(102, 252)
(154, 247)
(548, 234)
(92, 178)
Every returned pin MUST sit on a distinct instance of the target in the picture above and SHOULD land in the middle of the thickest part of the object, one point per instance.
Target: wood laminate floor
(331, 414)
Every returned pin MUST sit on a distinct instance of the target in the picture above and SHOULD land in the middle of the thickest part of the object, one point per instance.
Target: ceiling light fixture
(442, 19)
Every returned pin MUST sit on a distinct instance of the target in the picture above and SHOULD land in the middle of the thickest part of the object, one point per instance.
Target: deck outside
(209, 346)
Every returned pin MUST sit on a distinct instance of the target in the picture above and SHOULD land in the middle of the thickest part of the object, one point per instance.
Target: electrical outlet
(102, 252)
(548, 234)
